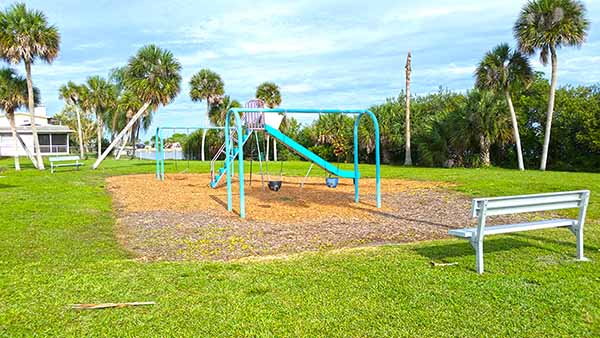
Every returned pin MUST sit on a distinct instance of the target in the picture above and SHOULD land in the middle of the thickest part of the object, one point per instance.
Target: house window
(44, 140)
(59, 143)
(53, 143)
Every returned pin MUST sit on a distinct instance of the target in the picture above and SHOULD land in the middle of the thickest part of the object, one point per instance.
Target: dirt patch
(183, 218)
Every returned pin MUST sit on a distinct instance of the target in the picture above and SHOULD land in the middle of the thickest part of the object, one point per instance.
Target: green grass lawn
(57, 247)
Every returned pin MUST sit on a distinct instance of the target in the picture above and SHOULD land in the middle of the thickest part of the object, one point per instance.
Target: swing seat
(275, 185)
(332, 182)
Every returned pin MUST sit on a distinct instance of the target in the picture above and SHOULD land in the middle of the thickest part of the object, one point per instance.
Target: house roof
(49, 129)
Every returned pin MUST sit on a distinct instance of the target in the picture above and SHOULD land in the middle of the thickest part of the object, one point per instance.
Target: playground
(190, 219)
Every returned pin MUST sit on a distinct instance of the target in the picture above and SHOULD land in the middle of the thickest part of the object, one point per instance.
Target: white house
(54, 139)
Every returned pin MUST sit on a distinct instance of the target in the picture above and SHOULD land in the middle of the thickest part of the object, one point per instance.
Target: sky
(322, 54)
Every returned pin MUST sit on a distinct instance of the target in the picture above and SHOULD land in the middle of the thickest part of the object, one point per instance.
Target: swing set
(159, 146)
(258, 119)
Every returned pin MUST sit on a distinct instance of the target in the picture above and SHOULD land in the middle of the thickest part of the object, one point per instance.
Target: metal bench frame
(481, 208)
(55, 159)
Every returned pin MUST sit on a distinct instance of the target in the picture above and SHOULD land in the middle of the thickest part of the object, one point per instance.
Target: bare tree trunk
(120, 135)
(123, 144)
(274, 150)
(79, 134)
(13, 129)
(100, 126)
(135, 137)
(550, 110)
(513, 117)
(114, 125)
(203, 143)
(31, 104)
(484, 155)
(19, 141)
(407, 155)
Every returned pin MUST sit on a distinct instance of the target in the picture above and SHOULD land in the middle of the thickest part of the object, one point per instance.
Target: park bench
(64, 161)
(482, 208)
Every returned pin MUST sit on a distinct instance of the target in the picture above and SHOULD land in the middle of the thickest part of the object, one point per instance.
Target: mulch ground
(182, 218)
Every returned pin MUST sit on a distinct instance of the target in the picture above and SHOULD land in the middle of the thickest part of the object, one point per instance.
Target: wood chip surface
(182, 218)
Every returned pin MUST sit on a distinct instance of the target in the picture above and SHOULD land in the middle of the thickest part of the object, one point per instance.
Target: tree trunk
(120, 135)
(123, 144)
(113, 126)
(100, 126)
(133, 136)
(550, 109)
(407, 155)
(31, 104)
(80, 134)
(484, 155)
(203, 143)
(513, 117)
(274, 150)
(19, 141)
(13, 129)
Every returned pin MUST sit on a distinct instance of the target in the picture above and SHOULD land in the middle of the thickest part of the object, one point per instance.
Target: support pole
(240, 154)
(262, 175)
(156, 150)
(162, 156)
(377, 158)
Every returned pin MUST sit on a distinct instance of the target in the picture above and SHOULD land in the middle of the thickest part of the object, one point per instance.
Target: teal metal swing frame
(240, 151)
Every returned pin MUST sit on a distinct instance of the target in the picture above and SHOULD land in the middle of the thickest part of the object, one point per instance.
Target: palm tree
(68, 116)
(219, 111)
(13, 94)
(545, 26)
(100, 99)
(26, 36)
(206, 85)
(269, 93)
(407, 155)
(116, 116)
(483, 124)
(71, 94)
(499, 71)
(153, 75)
(128, 104)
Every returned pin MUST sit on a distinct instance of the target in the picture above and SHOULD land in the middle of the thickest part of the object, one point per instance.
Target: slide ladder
(307, 154)
(216, 175)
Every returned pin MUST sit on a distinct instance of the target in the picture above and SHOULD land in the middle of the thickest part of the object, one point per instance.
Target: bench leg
(578, 231)
(478, 246)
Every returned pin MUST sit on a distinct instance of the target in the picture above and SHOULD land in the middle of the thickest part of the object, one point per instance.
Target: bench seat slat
(532, 208)
(508, 228)
(517, 197)
(63, 158)
(67, 164)
(501, 206)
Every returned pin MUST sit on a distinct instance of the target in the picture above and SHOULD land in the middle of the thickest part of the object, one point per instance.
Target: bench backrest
(63, 158)
(530, 203)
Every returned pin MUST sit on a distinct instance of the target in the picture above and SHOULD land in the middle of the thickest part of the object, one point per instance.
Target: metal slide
(307, 154)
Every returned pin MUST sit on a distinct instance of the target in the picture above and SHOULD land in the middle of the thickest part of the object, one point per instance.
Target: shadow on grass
(436, 252)
(65, 170)
(7, 186)
(568, 243)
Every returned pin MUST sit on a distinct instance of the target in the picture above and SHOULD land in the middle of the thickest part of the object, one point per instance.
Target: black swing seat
(275, 185)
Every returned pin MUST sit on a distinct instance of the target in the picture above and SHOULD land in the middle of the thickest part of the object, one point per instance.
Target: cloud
(196, 58)
(91, 45)
(334, 53)
(297, 88)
